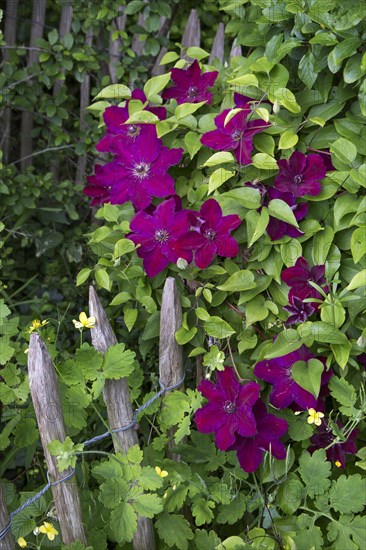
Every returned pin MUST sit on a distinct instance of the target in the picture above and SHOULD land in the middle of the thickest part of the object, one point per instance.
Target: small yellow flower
(49, 530)
(84, 321)
(315, 417)
(22, 542)
(160, 472)
(36, 324)
(338, 464)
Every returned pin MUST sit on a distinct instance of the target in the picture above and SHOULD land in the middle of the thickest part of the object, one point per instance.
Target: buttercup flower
(278, 372)
(315, 417)
(211, 234)
(298, 277)
(229, 408)
(158, 235)
(276, 229)
(190, 85)
(269, 430)
(22, 542)
(49, 530)
(138, 172)
(36, 324)
(337, 452)
(300, 174)
(160, 472)
(84, 321)
(236, 136)
(300, 311)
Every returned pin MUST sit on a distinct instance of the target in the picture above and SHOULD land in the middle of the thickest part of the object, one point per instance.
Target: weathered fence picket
(217, 50)
(8, 542)
(45, 392)
(119, 409)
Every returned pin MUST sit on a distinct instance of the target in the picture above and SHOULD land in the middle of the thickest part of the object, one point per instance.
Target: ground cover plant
(245, 182)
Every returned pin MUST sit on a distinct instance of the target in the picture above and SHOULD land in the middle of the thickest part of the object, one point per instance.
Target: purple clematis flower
(300, 175)
(157, 235)
(298, 277)
(300, 311)
(190, 85)
(96, 189)
(236, 136)
(211, 234)
(269, 430)
(276, 229)
(324, 436)
(229, 408)
(278, 372)
(139, 171)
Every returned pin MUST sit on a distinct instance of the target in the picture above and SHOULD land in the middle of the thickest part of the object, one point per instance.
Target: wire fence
(34, 498)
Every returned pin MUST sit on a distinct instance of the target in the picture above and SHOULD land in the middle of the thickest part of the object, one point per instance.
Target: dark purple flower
(298, 277)
(269, 430)
(229, 408)
(236, 136)
(190, 85)
(278, 372)
(211, 234)
(336, 454)
(327, 159)
(157, 235)
(276, 229)
(300, 311)
(362, 359)
(300, 174)
(241, 100)
(160, 112)
(96, 189)
(139, 171)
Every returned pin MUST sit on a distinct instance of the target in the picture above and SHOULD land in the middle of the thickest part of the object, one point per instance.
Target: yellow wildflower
(49, 530)
(338, 464)
(84, 321)
(22, 542)
(160, 472)
(36, 324)
(315, 417)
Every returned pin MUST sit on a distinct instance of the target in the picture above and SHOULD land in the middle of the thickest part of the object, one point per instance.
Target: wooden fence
(45, 393)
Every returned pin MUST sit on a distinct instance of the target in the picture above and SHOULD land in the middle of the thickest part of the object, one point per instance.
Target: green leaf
(286, 342)
(290, 495)
(245, 80)
(344, 393)
(174, 530)
(134, 6)
(218, 328)
(202, 511)
(314, 471)
(332, 311)
(6, 351)
(240, 280)
(103, 279)
(307, 72)
(83, 276)
(154, 85)
(114, 91)
(130, 317)
(112, 491)
(245, 196)
(193, 143)
(307, 532)
(123, 246)
(120, 298)
(264, 162)
(219, 158)
(322, 332)
(89, 360)
(321, 244)
(123, 522)
(256, 224)
(234, 511)
(344, 49)
(53, 37)
(4, 310)
(344, 528)
(144, 116)
(218, 178)
(196, 53)
(149, 479)
(26, 433)
(255, 310)
(282, 211)
(187, 109)
(344, 150)
(148, 505)
(288, 140)
(357, 280)
(118, 362)
(348, 494)
(324, 38)
(169, 57)
(285, 98)
(308, 375)
(183, 336)
(358, 244)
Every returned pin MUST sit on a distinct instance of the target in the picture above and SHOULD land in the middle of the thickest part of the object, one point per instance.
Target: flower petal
(210, 418)
(249, 455)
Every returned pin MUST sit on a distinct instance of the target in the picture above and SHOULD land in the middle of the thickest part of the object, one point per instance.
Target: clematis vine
(190, 85)
(277, 229)
(300, 174)
(158, 234)
(269, 430)
(285, 390)
(300, 311)
(298, 277)
(336, 449)
(229, 408)
(237, 135)
(211, 234)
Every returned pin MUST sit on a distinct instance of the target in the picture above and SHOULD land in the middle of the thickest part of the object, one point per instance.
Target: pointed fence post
(235, 50)
(45, 392)
(8, 542)
(217, 50)
(192, 32)
(119, 409)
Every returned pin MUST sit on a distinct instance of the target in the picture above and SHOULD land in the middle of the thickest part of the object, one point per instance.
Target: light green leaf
(148, 505)
(196, 53)
(123, 246)
(83, 276)
(348, 494)
(308, 375)
(285, 98)
(103, 279)
(246, 196)
(193, 143)
(288, 140)
(130, 316)
(314, 471)
(219, 158)
(183, 335)
(169, 57)
(120, 298)
(218, 178)
(282, 211)
(118, 362)
(344, 150)
(286, 342)
(245, 80)
(256, 224)
(358, 244)
(114, 91)
(123, 522)
(307, 72)
(264, 162)
(154, 85)
(357, 280)
(174, 530)
(240, 280)
(344, 393)
(218, 328)
(344, 49)
(187, 109)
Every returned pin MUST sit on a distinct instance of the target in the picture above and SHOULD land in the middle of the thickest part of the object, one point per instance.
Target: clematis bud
(276, 107)
(182, 263)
